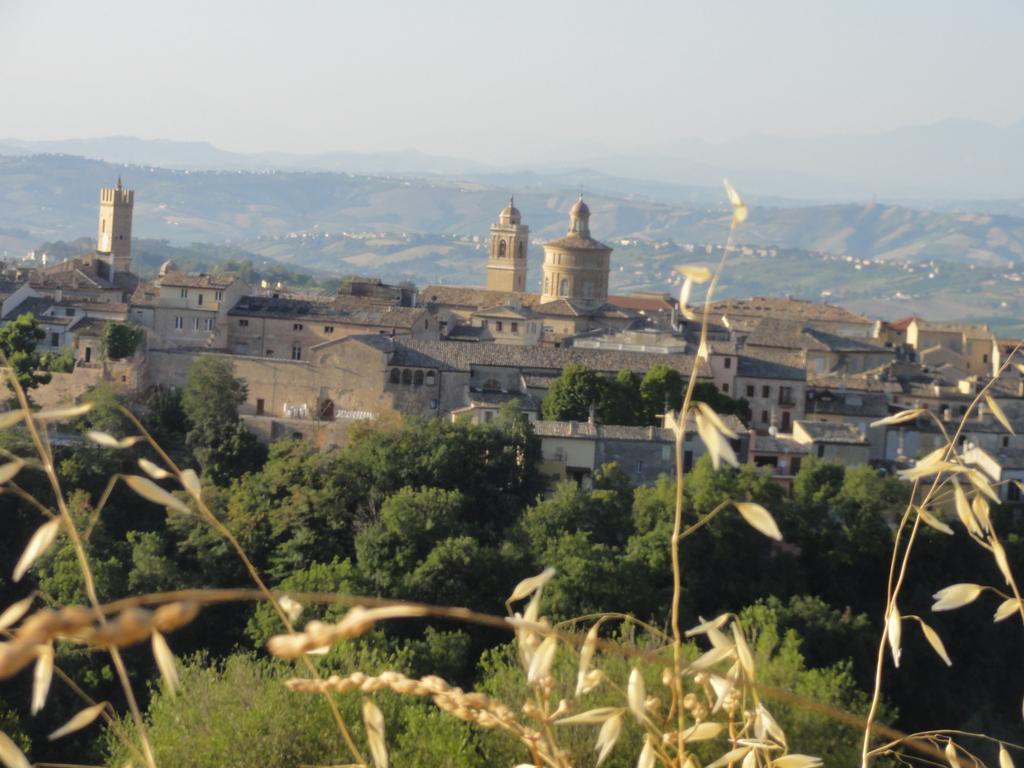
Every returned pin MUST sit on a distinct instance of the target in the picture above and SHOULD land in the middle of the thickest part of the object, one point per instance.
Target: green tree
(18, 340)
(120, 340)
(707, 392)
(621, 403)
(572, 394)
(221, 444)
(661, 389)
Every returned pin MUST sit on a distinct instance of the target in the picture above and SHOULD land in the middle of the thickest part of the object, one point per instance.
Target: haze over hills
(955, 161)
(429, 228)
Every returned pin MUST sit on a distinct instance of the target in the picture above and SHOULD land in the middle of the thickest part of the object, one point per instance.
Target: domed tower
(506, 261)
(576, 266)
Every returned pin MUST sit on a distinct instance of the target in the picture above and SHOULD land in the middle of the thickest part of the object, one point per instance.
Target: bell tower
(114, 237)
(506, 260)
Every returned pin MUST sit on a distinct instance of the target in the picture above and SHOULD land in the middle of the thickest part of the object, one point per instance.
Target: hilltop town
(814, 377)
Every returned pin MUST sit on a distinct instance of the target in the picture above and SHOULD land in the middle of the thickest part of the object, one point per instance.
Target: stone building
(102, 276)
(191, 310)
(290, 328)
(506, 261)
(773, 383)
(576, 266)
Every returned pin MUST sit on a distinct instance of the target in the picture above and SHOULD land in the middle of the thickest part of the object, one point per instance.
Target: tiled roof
(37, 305)
(643, 303)
(349, 313)
(838, 403)
(576, 242)
(180, 279)
(468, 297)
(461, 357)
(775, 444)
(796, 309)
(465, 332)
(586, 430)
(764, 363)
(96, 306)
(797, 334)
(838, 432)
(91, 326)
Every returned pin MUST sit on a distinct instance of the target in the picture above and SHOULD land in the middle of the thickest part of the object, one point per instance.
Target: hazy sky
(493, 80)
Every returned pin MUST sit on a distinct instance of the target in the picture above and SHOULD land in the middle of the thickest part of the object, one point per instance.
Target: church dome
(510, 214)
(580, 209)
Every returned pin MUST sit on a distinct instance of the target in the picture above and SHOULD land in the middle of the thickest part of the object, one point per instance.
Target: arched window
(406, 376)
(563, 289)
(396, 375)
(417, 379)
(430, 378)
(522, 249)
(501, 249)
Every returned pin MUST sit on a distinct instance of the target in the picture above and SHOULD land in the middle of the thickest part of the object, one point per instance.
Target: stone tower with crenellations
(506, 261)
(114, 237)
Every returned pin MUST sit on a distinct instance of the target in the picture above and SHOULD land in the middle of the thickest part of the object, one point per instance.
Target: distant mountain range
(955, 162)
(434, 227)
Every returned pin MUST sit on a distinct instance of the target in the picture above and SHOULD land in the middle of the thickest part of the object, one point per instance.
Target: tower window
(521, 249)
(501, 249)
(563, 289)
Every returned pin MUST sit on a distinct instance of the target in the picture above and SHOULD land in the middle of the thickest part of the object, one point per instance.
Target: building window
(728, 363)
(687, 461)
(1006, 439)
(498, 326)
(184, 293)
(88, 354)
(406, 376)
(725, 386)
(179, 322)
(563, 288)
(515, 327)
(433, 405)
(821, 451)
(296, 353)
(417, 379)
(69, 312)
(638, 467)
(750, 390)
(199, 299)
(395, 376)
(794, 465)
(430, 378)
(764, 417)
(243, 323)
(54, 339)
(259, 406)
(766, 390)
(328, 329)
(483, 323)
(208, 324)
(501, 249)
(218, 295)
(195, 323)
(521, 250)
(488, 416)
(297, 327)
(785, 395)
(270, 353)
(1013, 492)
(426, 324)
